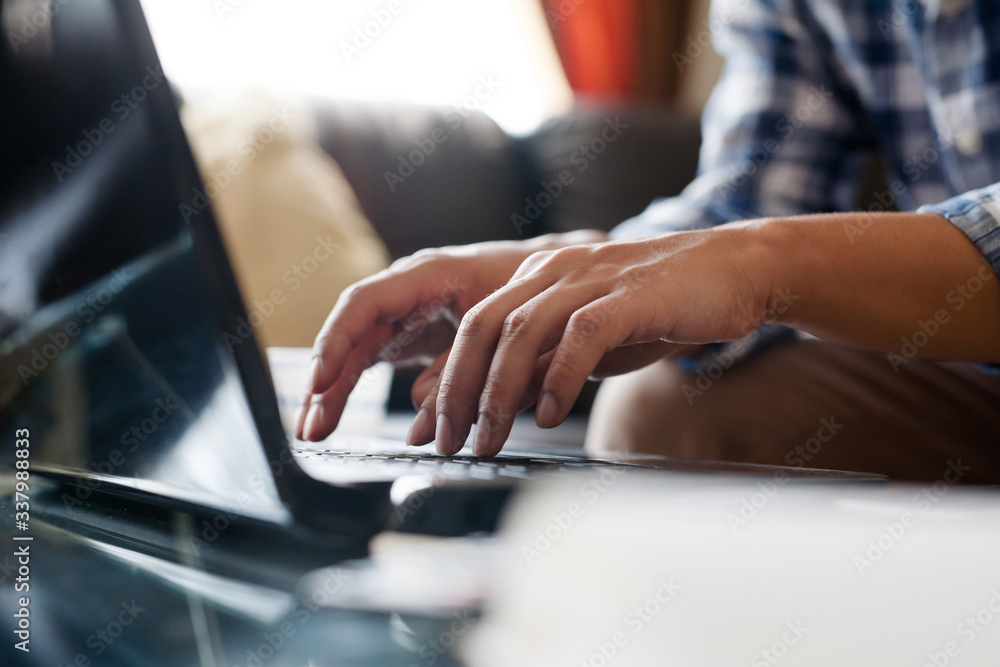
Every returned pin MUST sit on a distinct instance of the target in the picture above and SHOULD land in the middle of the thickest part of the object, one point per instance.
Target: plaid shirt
(812, 88)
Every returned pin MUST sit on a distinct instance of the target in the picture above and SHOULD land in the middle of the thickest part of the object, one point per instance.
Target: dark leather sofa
(432, 177)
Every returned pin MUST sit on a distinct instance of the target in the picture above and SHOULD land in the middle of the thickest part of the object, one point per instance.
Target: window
(493, 54)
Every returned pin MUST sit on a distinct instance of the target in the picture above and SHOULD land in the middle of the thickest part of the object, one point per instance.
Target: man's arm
(784, 134)
(912, 273)
(912, 285)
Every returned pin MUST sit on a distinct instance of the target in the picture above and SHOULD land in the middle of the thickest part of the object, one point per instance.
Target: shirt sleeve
(977, 214)
(783, 132)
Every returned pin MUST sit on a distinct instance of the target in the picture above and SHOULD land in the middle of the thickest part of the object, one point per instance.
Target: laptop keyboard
(462, 467)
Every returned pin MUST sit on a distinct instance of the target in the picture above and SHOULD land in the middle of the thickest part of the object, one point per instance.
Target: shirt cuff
(977, 214)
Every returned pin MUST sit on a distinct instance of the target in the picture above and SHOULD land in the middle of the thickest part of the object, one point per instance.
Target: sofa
(432, 177)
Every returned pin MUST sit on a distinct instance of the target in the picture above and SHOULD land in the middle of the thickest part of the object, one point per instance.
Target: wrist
(766, 247)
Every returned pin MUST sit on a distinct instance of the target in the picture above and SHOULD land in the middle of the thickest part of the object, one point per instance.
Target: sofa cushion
(615, 161)
(425, 177)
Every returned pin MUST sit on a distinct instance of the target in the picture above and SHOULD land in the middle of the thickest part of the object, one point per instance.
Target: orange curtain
(598, 44)
(620, 49)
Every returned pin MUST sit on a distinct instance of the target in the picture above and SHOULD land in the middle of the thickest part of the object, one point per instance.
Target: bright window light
(494, 54)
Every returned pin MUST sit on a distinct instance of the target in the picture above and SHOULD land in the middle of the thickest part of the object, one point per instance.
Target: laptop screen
(121, 348)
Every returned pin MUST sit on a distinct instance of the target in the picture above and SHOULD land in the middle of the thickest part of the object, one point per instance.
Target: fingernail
(445, 443)
(481, 443)
(312, 421)
(417, 434)
(547, 408)
(317, 371)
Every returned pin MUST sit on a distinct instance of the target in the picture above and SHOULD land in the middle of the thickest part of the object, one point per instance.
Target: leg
(811, 404)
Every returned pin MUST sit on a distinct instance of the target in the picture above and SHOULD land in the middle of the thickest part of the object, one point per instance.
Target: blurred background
(433, 52)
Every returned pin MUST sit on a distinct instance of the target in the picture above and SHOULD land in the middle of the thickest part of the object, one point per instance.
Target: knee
(652, 411)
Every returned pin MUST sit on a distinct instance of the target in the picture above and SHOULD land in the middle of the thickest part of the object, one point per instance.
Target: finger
(378, 347)
(530, 396)
(428, 379)
(406, 346)
(591, 332)
(326, 409)
(422, 429)
(528, 332)
(531, 263)
(396, 351)
(386, 297)
(300, 416)
(535, 387)
(468, 364)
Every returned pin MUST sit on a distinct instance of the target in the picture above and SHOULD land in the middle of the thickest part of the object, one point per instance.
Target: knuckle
(325, 340)
(426, 254)
(493, 418)
(569, 252)
(560, 261)
(473, 323)
(417, 259)
(582, 326)
(570, 255)
(517, 323)
(532, 262)
(562, 369)
(354, 292)
(558, 256)
(402, 263)
(447, 386)
(321, 343)
(495, 394)
(551, 260)
(540, 257)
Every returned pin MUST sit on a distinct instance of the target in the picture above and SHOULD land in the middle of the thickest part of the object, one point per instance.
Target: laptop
(117, 315)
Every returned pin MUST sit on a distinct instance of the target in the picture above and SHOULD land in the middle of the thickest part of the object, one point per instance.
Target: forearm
(910, 283)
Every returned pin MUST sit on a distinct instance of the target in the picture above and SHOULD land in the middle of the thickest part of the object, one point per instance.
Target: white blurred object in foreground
(697, 570)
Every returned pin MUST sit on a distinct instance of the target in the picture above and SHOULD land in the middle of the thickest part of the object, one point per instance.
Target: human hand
(407, 315)
(567, 312)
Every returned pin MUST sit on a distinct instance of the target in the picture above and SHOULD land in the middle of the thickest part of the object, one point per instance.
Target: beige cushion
(295, 232)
